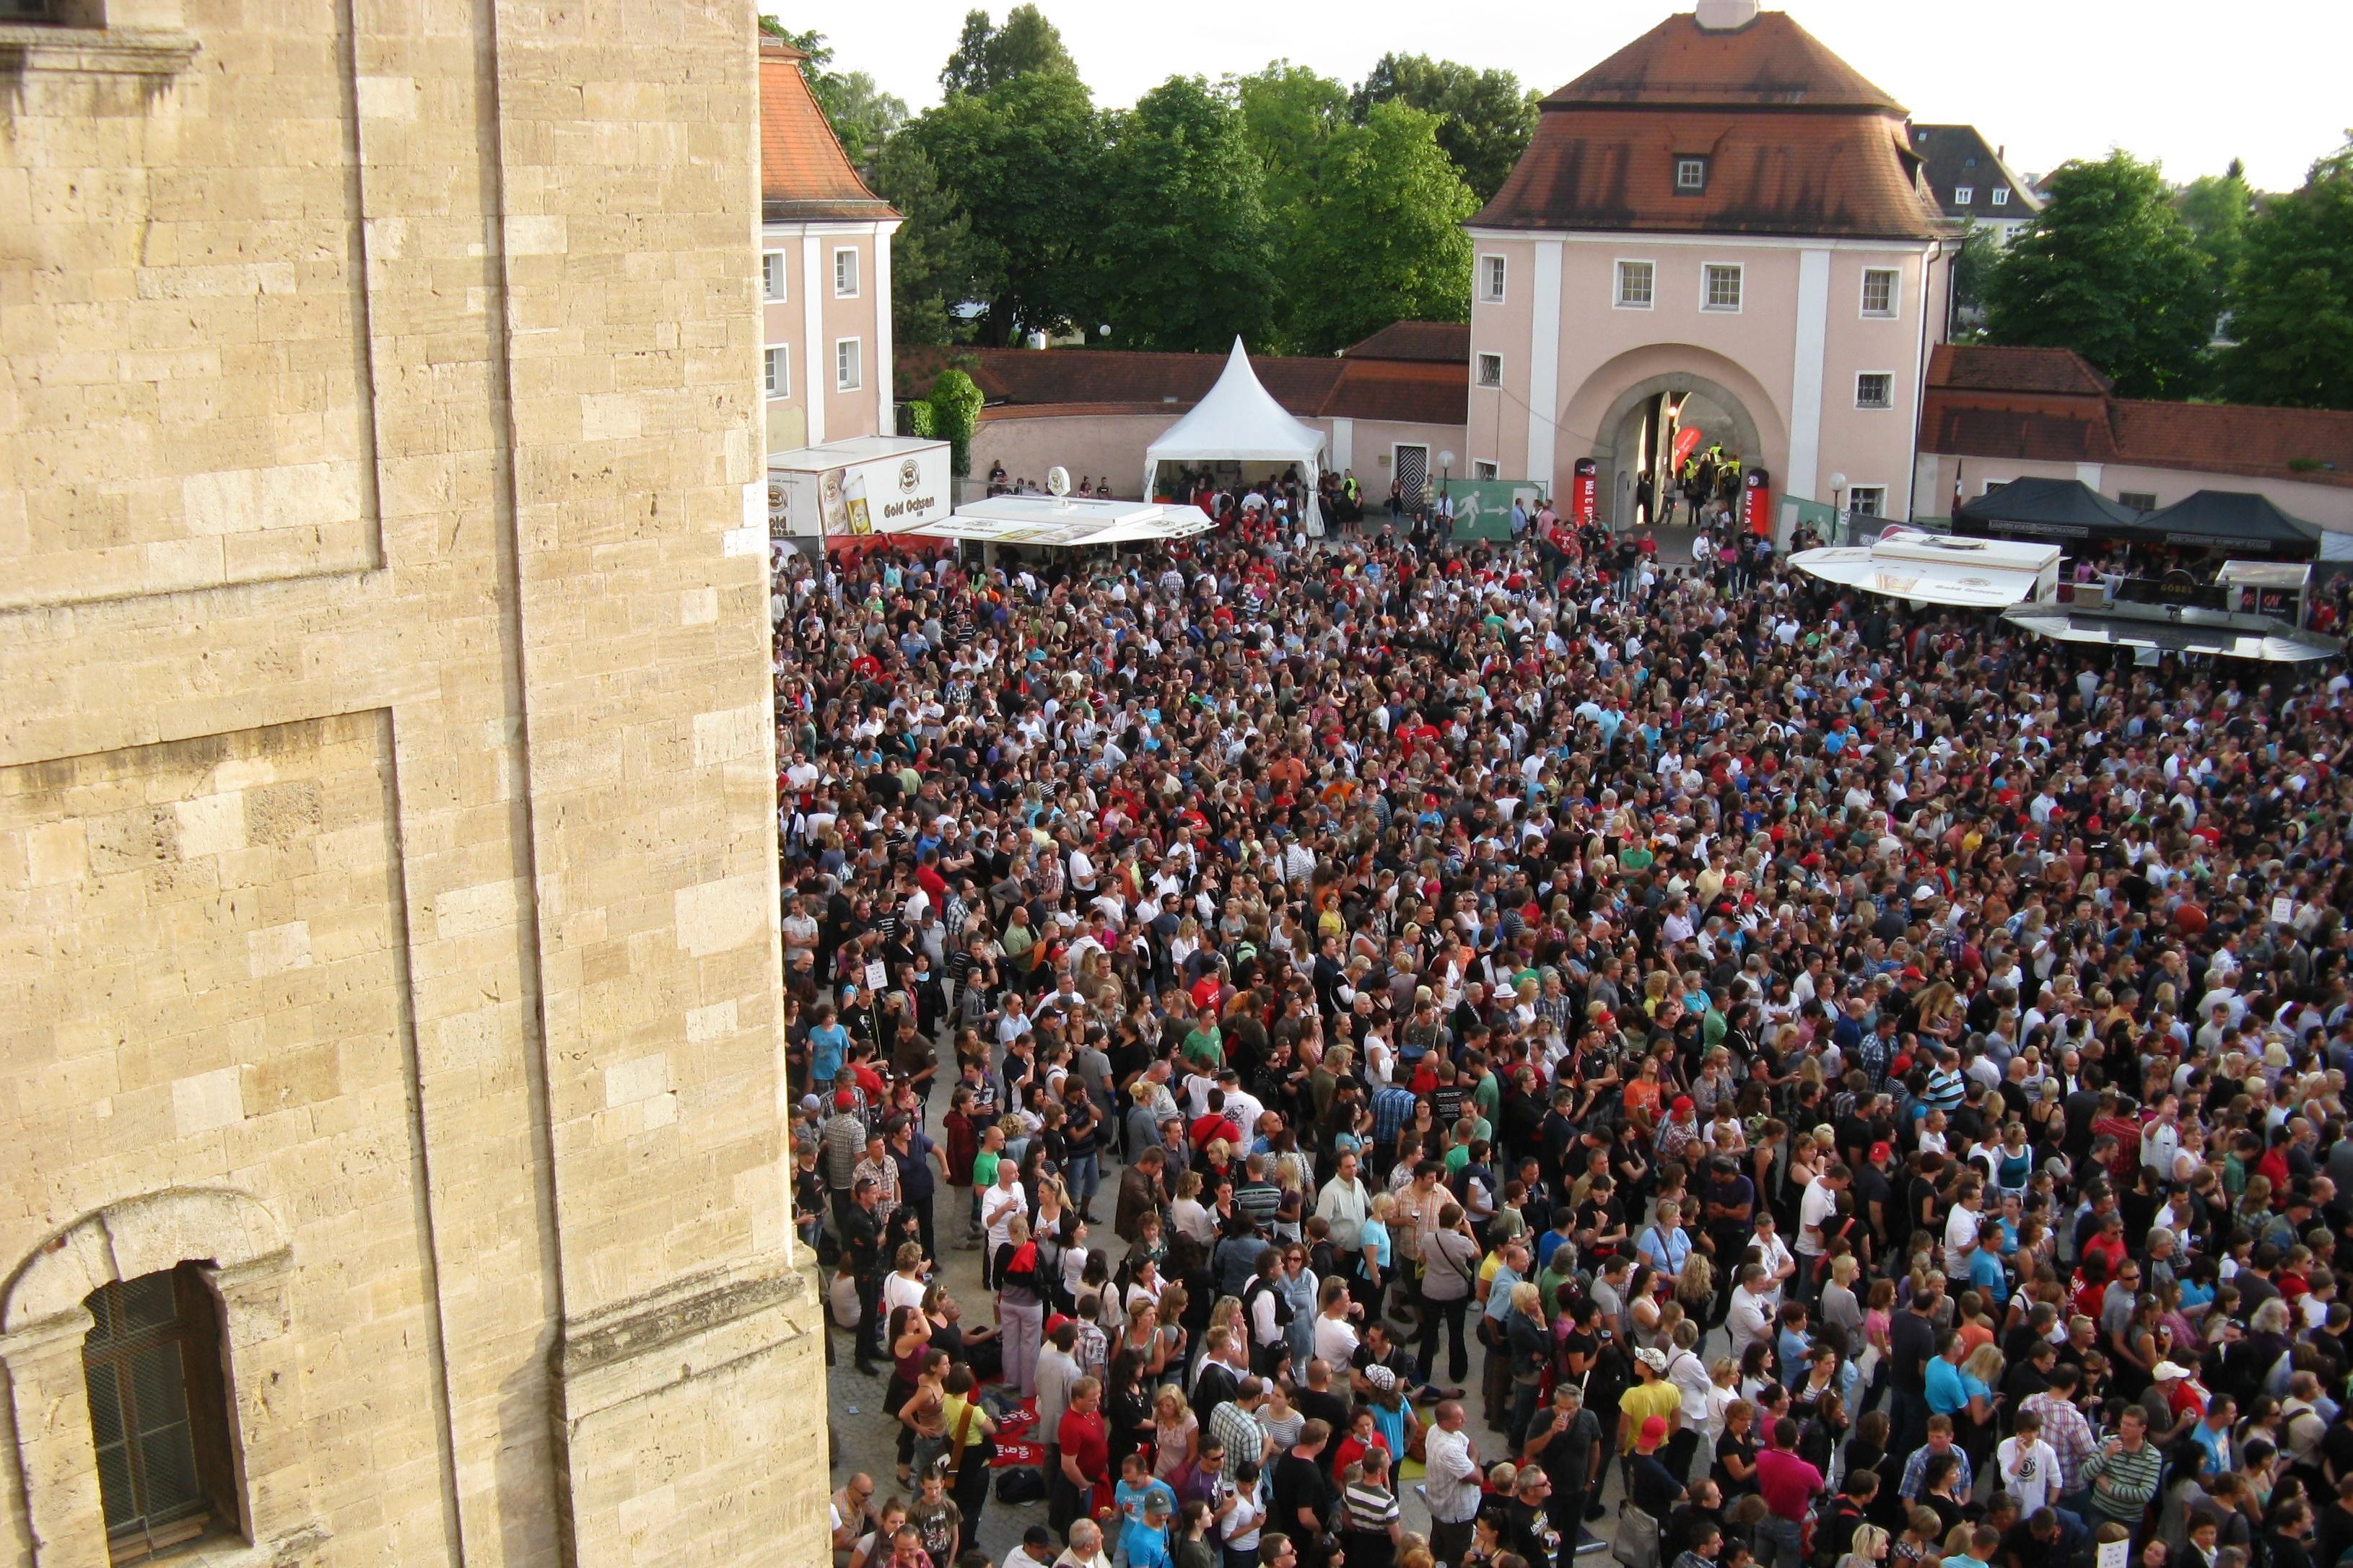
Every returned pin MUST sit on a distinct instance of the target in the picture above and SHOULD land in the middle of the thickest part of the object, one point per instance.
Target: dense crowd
(1860, 1086)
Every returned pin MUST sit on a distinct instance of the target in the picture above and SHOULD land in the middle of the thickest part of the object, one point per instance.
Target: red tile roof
(803, 174)
(1770, 63)
(1796, 142)
(1029, 384)
(2050, 405)
(1446, 342)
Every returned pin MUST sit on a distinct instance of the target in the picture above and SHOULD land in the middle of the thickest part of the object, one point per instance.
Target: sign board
(1482, 508)
(1581, 499)
(1756, 503)
(875, 495)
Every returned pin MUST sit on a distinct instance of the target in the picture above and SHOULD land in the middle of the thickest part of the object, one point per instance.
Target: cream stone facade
(387, 862)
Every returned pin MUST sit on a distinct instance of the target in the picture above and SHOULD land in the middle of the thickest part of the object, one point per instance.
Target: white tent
(1053, 519)
(1239, 421)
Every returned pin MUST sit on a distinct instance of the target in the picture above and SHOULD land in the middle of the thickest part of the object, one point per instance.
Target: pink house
(1723, 226)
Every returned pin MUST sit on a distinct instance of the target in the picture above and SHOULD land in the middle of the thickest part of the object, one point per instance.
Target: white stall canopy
(1053, 520)
(1937, 569)
(1237, 422)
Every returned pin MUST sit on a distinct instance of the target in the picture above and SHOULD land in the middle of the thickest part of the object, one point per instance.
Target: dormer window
(2002, 195)
(1964, 194)
(1691, 176)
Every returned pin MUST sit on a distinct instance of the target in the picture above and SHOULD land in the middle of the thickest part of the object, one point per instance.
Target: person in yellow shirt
(1651, 1394)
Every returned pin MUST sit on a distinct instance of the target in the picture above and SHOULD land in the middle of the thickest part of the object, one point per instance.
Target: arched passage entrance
(1619, 416)
(1635, 438)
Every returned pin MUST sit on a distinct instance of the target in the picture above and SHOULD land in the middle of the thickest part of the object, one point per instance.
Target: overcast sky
(2191, 83)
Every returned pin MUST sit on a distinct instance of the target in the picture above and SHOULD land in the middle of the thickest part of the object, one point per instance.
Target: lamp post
(1837, 509)
(1445, 481)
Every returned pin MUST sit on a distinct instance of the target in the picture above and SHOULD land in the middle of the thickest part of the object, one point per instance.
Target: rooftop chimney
(1725, 15)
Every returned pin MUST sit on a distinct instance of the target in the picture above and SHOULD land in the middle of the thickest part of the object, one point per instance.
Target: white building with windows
(1723, 225)
(825, 272)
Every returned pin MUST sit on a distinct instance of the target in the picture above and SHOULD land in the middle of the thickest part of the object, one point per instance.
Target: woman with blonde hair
(1175, 1434)
(1867, 1550)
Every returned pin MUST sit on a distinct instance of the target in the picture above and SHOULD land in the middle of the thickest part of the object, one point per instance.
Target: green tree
(1185, 237)
(1485, 117)
(1022, 165)
(2217, 207)
(1970, 264)
(955, 409)
(2292, 304)
(2108, 268)
(1365, 219)
(932, 266)
(988, 57)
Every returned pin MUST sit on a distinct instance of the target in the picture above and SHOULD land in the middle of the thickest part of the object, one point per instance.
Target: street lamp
(1837, 508)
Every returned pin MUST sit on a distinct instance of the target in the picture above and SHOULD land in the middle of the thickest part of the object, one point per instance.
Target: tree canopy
(987, 56)
(2292, 297)
(2110, 269)
(1185, 236)
(1485, 117)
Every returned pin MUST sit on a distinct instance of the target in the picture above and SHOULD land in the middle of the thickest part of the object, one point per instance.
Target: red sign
(1580, 493)
(1687, 440)
(1756, 501)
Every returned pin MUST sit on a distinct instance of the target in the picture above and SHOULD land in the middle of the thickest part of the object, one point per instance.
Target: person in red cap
(1649, 1485)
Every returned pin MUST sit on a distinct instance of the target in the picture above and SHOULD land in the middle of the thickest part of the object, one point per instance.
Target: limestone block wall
(385, 849)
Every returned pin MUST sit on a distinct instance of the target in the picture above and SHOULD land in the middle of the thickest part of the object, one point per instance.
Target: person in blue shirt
(1136, 1500)
(1947, 1395)
(828, 1045)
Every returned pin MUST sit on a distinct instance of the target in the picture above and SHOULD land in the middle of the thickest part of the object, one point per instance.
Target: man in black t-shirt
(1911, 1344)
(1302, 1495)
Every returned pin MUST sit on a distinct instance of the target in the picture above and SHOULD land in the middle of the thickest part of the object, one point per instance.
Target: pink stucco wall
(2323, 506)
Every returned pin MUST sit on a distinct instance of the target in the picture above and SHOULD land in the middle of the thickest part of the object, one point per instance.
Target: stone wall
(386, 832)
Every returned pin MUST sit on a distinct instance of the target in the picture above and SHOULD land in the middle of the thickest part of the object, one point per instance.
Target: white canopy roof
(1932, 569)
(1050, 519)
(1239, 420)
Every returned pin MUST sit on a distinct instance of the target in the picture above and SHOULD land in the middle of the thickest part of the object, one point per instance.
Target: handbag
(1637, 1542)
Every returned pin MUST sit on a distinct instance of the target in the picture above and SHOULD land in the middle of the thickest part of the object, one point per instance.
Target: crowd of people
(1846, 1084)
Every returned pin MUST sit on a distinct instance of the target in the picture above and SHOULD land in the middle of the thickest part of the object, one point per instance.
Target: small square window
(1878, 284)
(1636, 280)
(1691, 175)
(1722, 286)
(1964, 194)
(779, 361)
(2140, 501)
(845, 274)
(1868, 500)
(2002, 195)
(1875, 389)
(773, 275)
(849, 372)
(1491, 370)
(1482, 470)
(1491, 275)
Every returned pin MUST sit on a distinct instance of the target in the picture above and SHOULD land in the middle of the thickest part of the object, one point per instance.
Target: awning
(2219, 635)
(1052, 520)
(1932, 569)
(2237, 521)
(2048, 509)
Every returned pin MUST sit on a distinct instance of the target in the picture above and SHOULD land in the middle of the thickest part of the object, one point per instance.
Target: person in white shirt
(1453, 1489)
(2027, 1468)
(1750, 1316)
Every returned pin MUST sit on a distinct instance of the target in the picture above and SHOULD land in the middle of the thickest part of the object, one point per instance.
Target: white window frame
(1617, 284)
(1854, 494)
(839, 291)
(1964, 194)
(776, 277)
(1862, 376)
(777, 369)
(1494, 270)
(1894, 307)
(1707, 271)
(1482, 470)
(1694, 187)
(857, 348)
(1485, 359)
(2002, 195)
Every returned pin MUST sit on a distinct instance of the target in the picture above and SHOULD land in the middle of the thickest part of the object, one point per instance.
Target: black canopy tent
(2048, 509)
(2239, 522)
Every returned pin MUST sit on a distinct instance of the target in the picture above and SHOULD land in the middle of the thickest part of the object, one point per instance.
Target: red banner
(1687, 440)
(1756, 503)
(1580, 493)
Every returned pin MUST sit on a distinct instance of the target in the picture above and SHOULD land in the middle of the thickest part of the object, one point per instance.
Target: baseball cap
(2167, 1370)
(1656, 1360)
(844, 1101)
(1682, 1102)
(1881, 1150)
(1653, 1433)
(1380, 1377)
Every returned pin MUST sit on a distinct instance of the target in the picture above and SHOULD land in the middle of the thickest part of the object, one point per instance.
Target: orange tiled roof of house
(803, 174)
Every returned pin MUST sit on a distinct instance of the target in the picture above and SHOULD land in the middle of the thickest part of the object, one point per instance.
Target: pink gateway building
(1721, 226)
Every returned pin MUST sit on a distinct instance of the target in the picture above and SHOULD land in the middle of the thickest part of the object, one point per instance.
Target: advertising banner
(1756, 501)
(1582, 499)
(876, 495)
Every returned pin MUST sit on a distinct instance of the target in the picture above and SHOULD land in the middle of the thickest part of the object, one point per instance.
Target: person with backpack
(1449, 1269)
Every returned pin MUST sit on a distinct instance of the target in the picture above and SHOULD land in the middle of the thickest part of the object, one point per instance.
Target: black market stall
(2240, 523)
(2063, 510)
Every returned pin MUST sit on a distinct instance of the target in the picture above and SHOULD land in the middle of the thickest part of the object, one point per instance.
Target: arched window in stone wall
(148, 1348)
